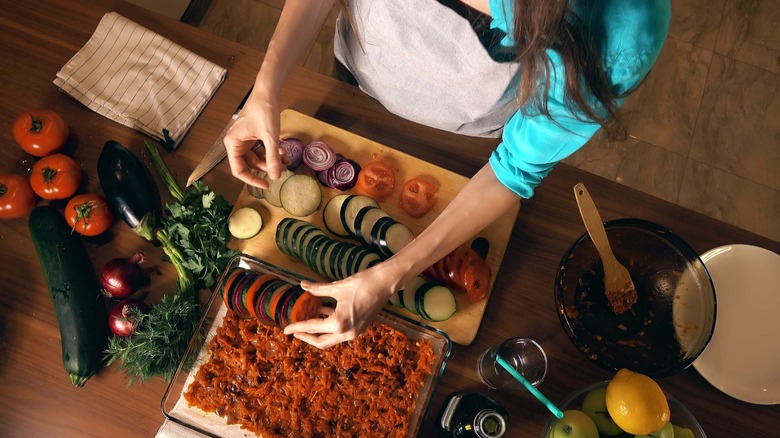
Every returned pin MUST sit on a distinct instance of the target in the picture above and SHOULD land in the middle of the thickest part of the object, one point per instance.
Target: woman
(542, 75)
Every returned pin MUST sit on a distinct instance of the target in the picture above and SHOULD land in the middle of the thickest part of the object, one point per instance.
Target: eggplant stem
(164, 172)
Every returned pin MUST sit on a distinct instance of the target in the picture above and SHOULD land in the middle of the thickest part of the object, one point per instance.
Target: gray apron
(430, 62)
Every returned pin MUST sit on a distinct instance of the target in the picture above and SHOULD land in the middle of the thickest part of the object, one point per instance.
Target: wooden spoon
(618, 286)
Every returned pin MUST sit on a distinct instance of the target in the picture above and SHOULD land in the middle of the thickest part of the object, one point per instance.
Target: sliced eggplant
(350, 209)
(272, 193)
(331, 215)
(300, 195)
(394, 238)
(257, 192)
(365, 220)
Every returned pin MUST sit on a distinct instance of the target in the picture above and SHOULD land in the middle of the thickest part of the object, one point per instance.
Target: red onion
(318, 155)
(121, 278)
(294, 148)
(343, 174)
(123, 316)
(322, 177)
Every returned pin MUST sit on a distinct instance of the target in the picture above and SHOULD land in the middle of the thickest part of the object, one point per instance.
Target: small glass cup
(524, 355)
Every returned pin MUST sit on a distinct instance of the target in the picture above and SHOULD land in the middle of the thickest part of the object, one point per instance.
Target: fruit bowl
(680, 416)
(673, 318)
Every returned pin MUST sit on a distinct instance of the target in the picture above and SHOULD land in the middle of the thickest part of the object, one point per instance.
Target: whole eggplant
(129, 188)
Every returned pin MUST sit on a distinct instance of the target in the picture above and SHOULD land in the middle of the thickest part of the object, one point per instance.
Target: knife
(217, 152)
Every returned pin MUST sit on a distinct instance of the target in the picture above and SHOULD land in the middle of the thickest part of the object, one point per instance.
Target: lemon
(636, 403)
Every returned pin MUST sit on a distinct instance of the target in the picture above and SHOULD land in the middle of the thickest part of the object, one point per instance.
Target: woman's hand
(257, 122)
(298, 26)
(358, 300)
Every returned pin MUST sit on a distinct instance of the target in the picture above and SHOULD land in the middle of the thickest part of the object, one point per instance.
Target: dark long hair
(550, 24)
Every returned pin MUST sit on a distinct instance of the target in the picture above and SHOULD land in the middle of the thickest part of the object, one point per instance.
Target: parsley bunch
(198, 226)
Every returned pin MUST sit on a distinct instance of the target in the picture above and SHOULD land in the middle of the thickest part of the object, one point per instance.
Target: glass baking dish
(176, 408)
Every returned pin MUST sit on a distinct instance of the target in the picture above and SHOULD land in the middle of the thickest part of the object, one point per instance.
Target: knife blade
(217, 151)
(213, 156)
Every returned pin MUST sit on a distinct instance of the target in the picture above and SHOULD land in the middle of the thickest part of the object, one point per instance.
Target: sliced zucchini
(350, 209)
(395, 299)
(365, 220)
(408, 294)
(300, 195)
(435, 302)
(311, 254)
(344, 257)
(331, 215)
(245, 223)
(368, 261)
(290, 232)
(326, 256)
(271, 194)
(303, 239)
(281, 231)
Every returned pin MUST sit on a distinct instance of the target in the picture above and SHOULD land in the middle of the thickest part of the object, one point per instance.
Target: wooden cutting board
(463, 325)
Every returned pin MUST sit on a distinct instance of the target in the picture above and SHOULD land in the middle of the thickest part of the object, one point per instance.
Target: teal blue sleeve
(631, 34)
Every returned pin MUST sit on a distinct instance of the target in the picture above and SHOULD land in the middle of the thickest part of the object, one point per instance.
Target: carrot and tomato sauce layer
(277, 386)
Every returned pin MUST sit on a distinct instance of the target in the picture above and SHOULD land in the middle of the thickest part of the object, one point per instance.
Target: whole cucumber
(75, 291)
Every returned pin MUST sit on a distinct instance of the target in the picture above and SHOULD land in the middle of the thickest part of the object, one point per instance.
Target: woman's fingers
(322, 341)
(273, 161)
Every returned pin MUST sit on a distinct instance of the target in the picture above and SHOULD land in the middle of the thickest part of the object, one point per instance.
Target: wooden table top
(38, 38)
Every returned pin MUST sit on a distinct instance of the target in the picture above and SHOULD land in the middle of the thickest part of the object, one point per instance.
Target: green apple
(574, 424)
(595, 405)
(665, 432)
(682, 432)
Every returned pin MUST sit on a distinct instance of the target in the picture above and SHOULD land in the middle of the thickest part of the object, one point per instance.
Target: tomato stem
(84, 213)
(49, 174)
(3, 189)
(35, 124)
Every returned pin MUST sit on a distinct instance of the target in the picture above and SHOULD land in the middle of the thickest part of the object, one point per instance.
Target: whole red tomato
(89, 214)
(55, 176)
(16, 196)
(40, 132)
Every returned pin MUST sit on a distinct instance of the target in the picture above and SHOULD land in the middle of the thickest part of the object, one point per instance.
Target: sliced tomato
(418, 196)
(55, 176)
(305, 307)
(476, 281)
(226, 288)
(376, 179)
(89, 214)
(454, 261)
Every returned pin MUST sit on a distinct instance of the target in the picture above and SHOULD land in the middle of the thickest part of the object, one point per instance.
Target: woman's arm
(360, 297)
(298, 26)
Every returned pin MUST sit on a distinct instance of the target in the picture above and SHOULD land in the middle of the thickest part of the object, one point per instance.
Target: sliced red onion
(322, 177)
(294, 148)
(318, 155)
(343, 174)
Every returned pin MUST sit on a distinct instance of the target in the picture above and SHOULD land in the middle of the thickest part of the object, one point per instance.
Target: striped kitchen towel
(140, 79)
